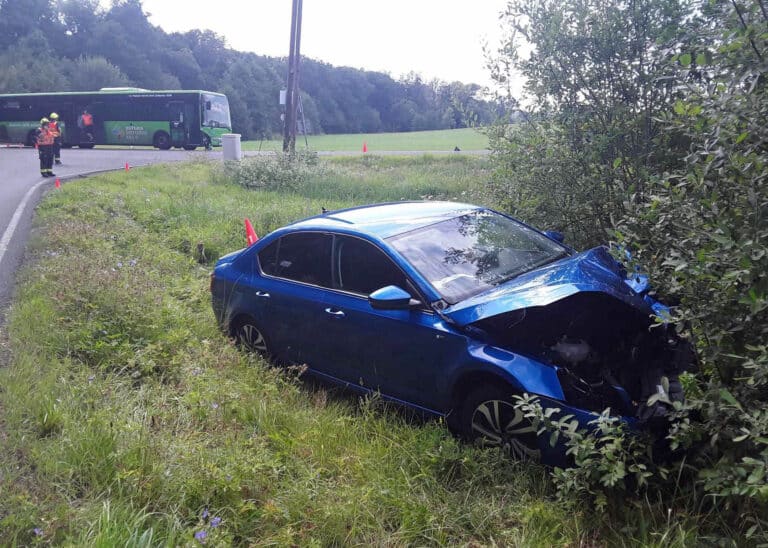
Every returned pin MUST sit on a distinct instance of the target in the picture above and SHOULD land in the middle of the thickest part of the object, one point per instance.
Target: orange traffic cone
(127, 167)
(250, 233)
(365, 147)
(58, 183)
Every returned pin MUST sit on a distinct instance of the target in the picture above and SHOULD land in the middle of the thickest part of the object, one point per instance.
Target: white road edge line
(8, 234)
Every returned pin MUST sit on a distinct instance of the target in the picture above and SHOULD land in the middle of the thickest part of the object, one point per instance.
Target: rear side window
(302, 257)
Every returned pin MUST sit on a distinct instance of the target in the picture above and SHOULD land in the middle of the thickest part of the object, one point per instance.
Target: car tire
(249, 336)
(162, 140)
(488, 417)
(190, 147)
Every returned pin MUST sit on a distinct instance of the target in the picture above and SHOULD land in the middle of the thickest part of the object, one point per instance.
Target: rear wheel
(248, 335)
(162, 140)
(189, 147)
(489, 417)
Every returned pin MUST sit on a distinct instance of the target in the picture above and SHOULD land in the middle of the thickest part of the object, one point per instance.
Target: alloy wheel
(251, 338)
(497, 423)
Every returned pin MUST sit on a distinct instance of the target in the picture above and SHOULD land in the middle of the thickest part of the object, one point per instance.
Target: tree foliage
(595, 85)
(80, 45)
(703, 231)
(649, 124)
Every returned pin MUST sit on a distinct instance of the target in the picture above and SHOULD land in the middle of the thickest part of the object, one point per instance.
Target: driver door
(401, 353)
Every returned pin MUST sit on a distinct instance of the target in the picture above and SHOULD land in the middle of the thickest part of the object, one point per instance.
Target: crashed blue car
(452, 309)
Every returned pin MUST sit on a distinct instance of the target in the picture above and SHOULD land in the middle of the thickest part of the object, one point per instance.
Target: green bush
(272, 171)
(698, 224)
(703, 234)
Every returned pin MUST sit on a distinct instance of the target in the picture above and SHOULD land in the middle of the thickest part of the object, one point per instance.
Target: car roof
(388, 219)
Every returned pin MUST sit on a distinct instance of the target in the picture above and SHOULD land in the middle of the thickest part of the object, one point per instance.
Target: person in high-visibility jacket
(45, 139)
(85, 123)
(53, 125)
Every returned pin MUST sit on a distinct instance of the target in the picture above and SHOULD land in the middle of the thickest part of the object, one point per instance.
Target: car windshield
(466, 255)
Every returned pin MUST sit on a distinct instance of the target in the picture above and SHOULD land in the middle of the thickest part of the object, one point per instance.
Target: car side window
(302, 257)
(363, 268)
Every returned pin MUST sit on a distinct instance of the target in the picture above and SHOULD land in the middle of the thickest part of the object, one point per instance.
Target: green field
(444, 140)
(128, 419)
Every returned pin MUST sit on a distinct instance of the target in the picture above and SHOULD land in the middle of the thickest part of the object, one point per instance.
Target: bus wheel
(162, 140)
(189, 147)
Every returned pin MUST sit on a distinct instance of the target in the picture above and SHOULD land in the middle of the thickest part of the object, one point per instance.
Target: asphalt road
(21, 187)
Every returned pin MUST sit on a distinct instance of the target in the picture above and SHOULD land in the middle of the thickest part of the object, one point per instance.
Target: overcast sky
(436, 38)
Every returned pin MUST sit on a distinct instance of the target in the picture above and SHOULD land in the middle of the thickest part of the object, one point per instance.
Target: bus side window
(207, 105)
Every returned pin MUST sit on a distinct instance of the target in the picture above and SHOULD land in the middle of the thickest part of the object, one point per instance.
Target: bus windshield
(215, 111)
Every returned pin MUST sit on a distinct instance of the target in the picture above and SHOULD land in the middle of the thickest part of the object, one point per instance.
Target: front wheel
(162, 140)
(488, 416)
(189, 147)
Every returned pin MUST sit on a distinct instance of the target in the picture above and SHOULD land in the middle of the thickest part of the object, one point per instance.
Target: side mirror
(391, 297)
(554, 235)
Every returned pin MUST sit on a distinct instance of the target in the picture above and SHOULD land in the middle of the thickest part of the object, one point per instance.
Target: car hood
(590, 271)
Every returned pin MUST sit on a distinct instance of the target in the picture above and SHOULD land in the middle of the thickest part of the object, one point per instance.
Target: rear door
(296, 274)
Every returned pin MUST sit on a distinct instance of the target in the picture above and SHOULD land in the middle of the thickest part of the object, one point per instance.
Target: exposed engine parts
(608, 354)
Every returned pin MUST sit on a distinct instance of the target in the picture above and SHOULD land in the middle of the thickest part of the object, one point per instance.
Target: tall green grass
(127, 418)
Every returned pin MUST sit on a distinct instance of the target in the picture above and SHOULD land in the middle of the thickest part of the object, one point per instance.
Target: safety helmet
(54, 116)
(44, 120)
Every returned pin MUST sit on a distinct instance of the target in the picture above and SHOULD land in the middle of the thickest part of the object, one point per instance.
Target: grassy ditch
(126, 418)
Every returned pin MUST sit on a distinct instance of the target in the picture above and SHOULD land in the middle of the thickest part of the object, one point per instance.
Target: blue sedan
(452, 309)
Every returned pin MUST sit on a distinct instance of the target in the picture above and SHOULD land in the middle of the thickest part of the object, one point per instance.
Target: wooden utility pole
(292, 91)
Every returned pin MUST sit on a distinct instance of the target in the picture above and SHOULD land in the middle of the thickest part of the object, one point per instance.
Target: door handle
(262, 294)
(335, 312)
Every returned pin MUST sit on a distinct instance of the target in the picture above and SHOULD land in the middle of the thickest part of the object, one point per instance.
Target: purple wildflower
(215, 405)
(200, 536)
(38, 532)
(215, 521)
(205, 514)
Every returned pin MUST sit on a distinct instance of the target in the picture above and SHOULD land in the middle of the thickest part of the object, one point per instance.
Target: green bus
(121, 116)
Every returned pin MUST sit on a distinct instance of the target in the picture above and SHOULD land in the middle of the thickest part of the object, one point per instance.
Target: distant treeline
(77, 45)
